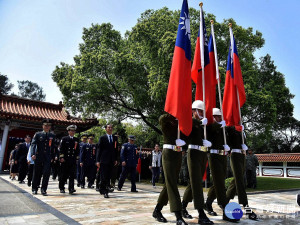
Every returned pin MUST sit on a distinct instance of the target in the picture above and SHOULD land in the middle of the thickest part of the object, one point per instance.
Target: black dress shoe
(158, 216)
(82, 186)
(111, 189)
(97, 189)
(180, 222)
(119, 189)
(78, 185)
(134, 191)
(186, 215)
(21, 182)
(252, 216)
(204, 221)
(91, 187)
(229, 220)
(29, 184)
(106, 195)
(209, 209)
(71, 191)
(44, 192)
(62, 191)
(34, 192)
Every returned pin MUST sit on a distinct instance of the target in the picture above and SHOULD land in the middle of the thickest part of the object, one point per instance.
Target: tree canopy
(29, 89)
(5, 85)
(127, 77)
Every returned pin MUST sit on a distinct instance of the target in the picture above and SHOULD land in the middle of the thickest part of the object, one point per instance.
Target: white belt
(173, 147)
(237, 150)
(220, 152)
(198, 147)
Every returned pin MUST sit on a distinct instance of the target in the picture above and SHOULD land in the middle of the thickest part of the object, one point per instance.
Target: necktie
(110, 139)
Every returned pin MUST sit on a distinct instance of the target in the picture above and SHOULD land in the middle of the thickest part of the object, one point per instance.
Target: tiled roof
(279, 157)
(14, 107)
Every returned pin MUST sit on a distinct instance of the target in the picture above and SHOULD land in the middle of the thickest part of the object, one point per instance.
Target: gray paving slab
(89, 207)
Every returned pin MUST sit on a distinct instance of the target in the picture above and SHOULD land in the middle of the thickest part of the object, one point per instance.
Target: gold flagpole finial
(201, 4)
(230, 24)
(211, 21)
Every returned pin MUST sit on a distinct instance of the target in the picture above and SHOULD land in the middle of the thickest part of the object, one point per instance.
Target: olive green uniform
(218, 165)
(196, 160)
(171, 161)
(237, 161)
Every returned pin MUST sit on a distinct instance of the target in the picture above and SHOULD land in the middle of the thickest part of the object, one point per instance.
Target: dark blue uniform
(88, 158)
(129, 156)
(69, 151)
(43, 148)
(79, 172)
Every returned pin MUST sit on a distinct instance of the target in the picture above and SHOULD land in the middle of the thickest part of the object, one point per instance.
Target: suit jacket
(21, 153)
(107, 152)
(43, 146)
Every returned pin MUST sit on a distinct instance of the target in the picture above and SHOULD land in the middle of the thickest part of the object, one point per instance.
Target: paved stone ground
(18, 206)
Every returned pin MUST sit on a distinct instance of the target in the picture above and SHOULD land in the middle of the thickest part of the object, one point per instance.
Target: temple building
(21, 116)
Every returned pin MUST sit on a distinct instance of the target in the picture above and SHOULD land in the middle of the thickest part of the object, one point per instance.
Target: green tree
(5, 85)
(31, 90)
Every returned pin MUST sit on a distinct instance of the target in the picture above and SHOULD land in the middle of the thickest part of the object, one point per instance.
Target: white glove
(242, 127)
(206, 143)
(204, 121)
(223, 123)
(180, 142)
(226, 148)
(244, 147)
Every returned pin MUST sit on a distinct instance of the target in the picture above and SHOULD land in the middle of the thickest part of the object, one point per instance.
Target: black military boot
(203, 219)
(157, 214)
(185, 213)
(228, 219)
(208, 207)
(179, 219)
(249, 212)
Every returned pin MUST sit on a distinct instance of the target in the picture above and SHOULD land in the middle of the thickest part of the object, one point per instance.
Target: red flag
(205, 172)
(139, 166)
(233, 84)
(209, 74)
(179, 96)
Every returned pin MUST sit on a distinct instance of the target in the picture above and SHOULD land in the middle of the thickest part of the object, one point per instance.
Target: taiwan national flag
(209, 73)
(233, 84)
(179, 96)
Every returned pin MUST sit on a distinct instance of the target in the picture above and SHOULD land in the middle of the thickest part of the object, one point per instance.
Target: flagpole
(237, 92)
(218, 75)
(141, 167)
(202, 62)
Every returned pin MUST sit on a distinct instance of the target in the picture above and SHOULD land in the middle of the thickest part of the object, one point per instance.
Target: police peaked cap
(47, 121)
(71, 127)
(131, 137)
(91, 136)
(84, 136)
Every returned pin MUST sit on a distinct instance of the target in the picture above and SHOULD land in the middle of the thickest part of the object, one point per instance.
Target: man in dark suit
(21, 159)
(68, 154)
(42, 151)
(106, 158)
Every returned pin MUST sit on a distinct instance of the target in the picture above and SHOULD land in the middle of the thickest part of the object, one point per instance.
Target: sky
(36, 35)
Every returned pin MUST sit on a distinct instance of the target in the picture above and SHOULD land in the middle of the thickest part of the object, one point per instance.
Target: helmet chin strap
(200, 117)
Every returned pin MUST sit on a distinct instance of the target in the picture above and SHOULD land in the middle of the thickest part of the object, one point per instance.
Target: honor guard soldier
(129, 162)
(68, 154)
(42, 151)
(79, 170)
(88, 162)
(237, 162)
(171, 160)
(196, 159)
(218, 165)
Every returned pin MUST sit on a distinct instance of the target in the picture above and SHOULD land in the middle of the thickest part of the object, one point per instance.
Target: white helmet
(216, 112)
(198, 104)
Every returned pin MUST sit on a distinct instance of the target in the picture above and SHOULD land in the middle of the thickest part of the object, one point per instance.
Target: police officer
(196, 158)
(218, 165)
(68, 154)
(171, 160)
(129, 162)
(42, 151)
(88, 162)
(79, 170)
(237, 161)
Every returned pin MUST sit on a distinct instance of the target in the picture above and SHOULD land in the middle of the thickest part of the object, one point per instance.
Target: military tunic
(88, 158)
(129, 156)
(171, 160)
(69, 151)
(196, 164)
(217, 165)
(43, 148)
(237, 161)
